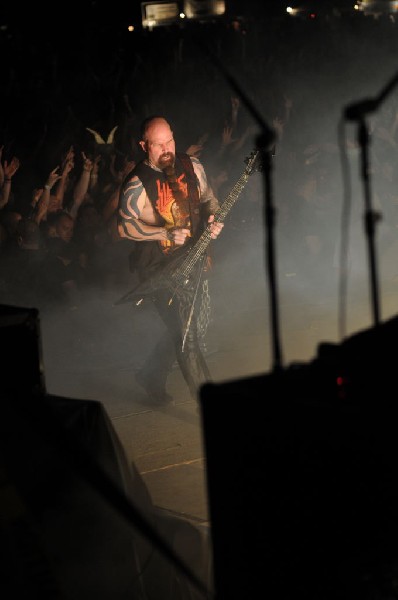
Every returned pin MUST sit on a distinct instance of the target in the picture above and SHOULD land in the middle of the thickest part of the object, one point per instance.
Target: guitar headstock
(254, 162)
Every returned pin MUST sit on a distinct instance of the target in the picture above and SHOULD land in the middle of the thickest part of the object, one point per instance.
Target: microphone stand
(357, 112)
(370, 217)
(265, 143)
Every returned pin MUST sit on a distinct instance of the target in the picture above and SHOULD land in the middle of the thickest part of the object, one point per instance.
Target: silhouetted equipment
(203, 9)
(22, 358)
(155, 14)
(76, 519)
(302, 475)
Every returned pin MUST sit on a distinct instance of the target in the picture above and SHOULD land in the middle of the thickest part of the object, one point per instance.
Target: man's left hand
(215, 227)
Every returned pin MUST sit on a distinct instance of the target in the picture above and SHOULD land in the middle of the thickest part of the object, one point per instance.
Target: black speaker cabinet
(22, 357)
(302, 476)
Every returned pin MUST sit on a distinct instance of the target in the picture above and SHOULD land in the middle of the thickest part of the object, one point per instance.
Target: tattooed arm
(137, 220)
(205, 190)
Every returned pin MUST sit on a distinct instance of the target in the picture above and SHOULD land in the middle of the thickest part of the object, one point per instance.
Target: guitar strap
(198, 226)
(193, 192)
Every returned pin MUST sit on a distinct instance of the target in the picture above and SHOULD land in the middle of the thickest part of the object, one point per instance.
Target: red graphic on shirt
(168, 208)
(165, 200)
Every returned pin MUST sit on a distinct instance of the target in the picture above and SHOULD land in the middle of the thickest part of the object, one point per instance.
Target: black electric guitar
(179, 269)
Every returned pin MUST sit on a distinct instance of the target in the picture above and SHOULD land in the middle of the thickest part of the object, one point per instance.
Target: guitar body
(167, 275)
(180, 269)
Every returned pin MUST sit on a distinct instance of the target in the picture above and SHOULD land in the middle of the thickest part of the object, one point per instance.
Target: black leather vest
(160, 194)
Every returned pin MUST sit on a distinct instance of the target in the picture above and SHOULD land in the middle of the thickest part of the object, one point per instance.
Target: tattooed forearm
(137, 230)
(206, 191)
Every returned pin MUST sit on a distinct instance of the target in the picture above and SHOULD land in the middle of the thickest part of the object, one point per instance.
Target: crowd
(69, 136)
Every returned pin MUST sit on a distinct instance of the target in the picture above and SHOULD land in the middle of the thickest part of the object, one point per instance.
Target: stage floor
(93, 353)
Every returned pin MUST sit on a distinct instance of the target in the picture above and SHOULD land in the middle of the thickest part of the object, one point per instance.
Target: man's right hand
(178, 235)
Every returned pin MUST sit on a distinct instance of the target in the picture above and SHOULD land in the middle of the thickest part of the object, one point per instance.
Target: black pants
(177, 343)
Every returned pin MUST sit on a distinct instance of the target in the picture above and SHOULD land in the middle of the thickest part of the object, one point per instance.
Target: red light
(342, 383)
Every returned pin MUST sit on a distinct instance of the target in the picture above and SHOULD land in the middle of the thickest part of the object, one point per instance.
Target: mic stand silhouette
(357, 112)
(370, 217)
(265, 144)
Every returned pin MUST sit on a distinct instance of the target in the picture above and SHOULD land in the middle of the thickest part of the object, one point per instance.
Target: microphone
(354, 112)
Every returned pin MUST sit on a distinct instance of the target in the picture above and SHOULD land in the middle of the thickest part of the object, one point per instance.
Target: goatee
(166, 160)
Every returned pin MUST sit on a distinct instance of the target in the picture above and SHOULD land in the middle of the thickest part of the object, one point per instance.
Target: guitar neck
(199, 248)
(234, 194)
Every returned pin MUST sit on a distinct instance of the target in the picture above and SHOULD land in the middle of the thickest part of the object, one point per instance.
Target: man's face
(159, 144)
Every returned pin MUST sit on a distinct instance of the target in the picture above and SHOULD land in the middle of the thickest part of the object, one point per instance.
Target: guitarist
(165, 202)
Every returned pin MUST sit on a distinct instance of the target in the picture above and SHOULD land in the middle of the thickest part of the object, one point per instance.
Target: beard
(166, 160)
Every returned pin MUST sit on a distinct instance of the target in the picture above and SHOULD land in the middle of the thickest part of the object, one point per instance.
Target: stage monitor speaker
(76, 518)
(301, 473)
(22, 356)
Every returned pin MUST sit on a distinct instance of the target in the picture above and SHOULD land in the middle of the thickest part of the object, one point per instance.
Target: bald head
(153, 121)
(158, 142)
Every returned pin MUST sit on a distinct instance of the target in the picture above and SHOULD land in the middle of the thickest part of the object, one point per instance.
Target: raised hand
(10, 168)
(69, 156)
(52, 178)
(194, 150)
(88, 164)
(227, 138)
(278, 125)
(235, 105)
